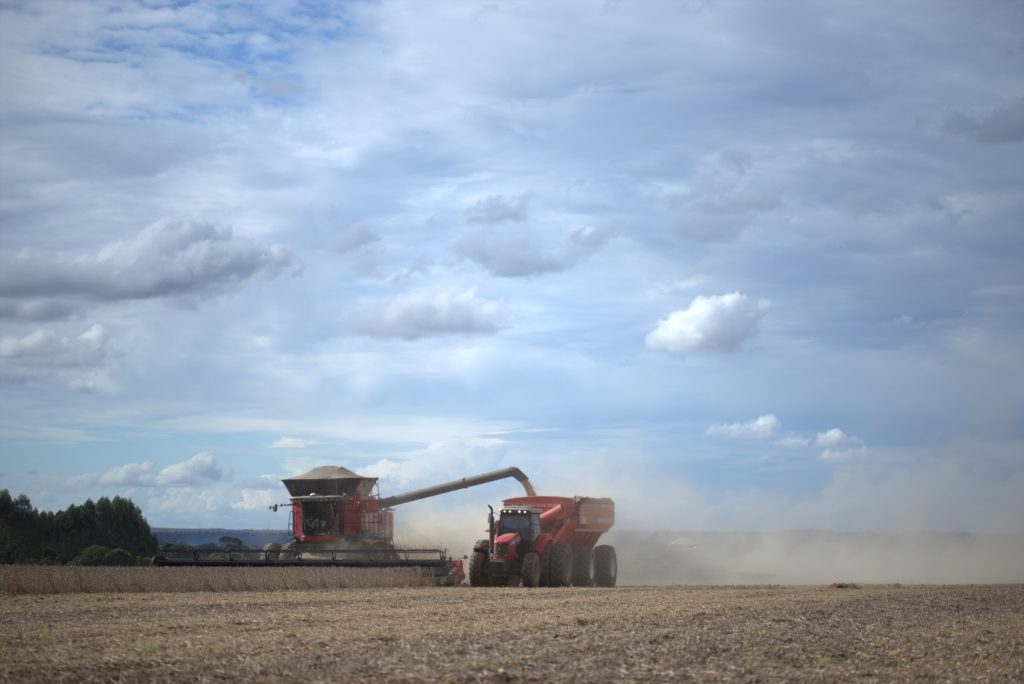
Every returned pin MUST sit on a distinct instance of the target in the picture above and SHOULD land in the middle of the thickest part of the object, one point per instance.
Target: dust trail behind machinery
(816, 557)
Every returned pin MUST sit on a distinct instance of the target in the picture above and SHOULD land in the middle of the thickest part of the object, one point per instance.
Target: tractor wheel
(545, 566)
(583, 567)
(606, 567)
(560, 565)
(531, 570)
(477, 575)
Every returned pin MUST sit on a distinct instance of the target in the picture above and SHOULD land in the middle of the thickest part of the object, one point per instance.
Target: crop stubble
(463, 634)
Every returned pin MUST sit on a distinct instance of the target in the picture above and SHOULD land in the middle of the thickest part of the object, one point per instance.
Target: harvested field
(66, 579)
(822, 633)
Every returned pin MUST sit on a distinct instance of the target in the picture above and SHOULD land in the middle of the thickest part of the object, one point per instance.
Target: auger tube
(463, 483)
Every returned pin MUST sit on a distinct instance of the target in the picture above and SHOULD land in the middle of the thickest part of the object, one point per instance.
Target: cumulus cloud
(517, 255)
(719, 323)
(256, 499)
(832, 438)
(762, 426)
(497, 209)
(169, 258)
(424, 314)
(1005, 124)
(292, 443)
(201, 469)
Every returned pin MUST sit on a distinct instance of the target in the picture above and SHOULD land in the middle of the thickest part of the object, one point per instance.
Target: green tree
(230, 543)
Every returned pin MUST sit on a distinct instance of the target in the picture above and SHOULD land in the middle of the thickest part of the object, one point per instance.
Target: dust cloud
(703, 557)
(816, 557)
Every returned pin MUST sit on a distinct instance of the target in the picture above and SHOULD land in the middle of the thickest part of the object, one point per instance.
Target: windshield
(515, 523)
(316, 518)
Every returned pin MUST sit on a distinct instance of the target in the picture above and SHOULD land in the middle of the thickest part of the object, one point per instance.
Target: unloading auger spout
(463, 483)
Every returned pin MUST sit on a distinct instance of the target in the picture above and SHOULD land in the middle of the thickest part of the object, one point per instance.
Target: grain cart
(546, 541)
(337, 519)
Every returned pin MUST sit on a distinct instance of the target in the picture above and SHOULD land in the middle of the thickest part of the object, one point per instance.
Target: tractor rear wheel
(545, 566)
(560, 565)
(606, 567)
(477, 576)
(531, 570)
(583, 567)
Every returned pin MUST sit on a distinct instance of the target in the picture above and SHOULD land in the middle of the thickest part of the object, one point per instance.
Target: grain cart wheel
(531, 570)
(606, 567)
(560, 566)
(477, 576)
(582, 567)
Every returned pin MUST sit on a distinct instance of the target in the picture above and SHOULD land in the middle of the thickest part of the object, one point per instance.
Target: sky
(738, 265)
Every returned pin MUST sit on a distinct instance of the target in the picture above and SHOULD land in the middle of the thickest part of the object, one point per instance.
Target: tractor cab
(521, 521)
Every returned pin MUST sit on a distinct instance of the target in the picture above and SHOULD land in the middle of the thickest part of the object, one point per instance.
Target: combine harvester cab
(336, 519)
(547, 541)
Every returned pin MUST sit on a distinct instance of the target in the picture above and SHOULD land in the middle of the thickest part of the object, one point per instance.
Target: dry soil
(764, 633)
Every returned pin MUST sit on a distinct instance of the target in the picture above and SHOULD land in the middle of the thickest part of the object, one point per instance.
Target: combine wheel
(531, 570)
(606, 567)
(583, 567)
(477, 576)
(560, 565)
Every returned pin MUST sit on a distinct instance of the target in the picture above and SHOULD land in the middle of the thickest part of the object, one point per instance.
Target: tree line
(104, 532)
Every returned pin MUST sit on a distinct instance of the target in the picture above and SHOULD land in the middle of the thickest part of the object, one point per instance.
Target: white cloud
(833, 438)
(719, 323)
(257, 499)
(762, 426)
(423, 314)
(292, 443)
(201, 469)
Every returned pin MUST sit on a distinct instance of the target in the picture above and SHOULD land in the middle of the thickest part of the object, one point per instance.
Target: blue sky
(739, 265)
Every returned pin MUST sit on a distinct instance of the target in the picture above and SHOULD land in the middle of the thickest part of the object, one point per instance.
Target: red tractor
(546, 541)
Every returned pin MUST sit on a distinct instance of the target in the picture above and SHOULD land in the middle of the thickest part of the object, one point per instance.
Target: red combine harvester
(546, 541)
(337, 519)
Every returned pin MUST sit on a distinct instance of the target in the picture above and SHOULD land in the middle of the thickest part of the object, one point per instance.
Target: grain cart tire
(531, 570)
(477, 576)
(606, 567)
(560, 566)
(582, 567)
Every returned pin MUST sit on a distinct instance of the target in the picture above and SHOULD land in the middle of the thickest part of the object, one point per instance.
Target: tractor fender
(482, 545)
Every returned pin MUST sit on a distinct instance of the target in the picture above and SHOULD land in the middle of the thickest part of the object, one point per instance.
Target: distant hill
(194, 537)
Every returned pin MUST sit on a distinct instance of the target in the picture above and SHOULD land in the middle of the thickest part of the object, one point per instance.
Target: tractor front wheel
(606, 567)
(531, 570)
(477, 575)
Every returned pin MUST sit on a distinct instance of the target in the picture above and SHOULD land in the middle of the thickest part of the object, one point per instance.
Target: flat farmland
(818, 633)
